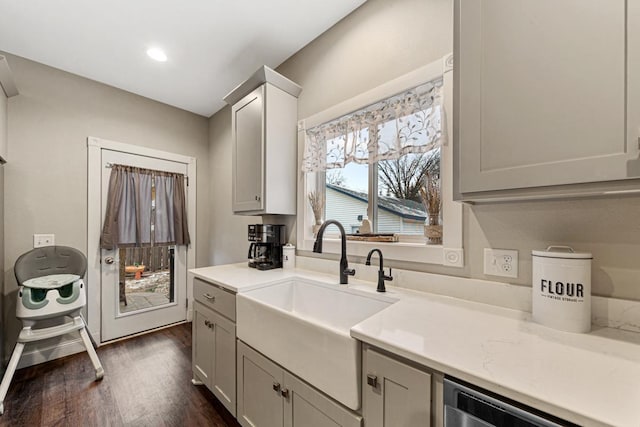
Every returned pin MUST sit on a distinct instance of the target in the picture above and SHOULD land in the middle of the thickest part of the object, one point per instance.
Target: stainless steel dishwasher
(466, 406)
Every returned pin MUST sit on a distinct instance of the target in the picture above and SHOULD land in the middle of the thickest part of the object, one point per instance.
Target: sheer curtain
(130, 211)
(409, 122)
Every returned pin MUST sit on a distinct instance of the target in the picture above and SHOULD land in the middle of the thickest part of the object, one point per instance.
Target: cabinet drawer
(212, 296)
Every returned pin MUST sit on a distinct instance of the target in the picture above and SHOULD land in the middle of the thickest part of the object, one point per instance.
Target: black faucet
(381, 276)
(344, 265)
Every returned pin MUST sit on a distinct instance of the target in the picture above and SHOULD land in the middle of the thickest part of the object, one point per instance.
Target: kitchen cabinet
(270, 396)
(263, 121)
(214, 341)
(546, 98)
(394, 393)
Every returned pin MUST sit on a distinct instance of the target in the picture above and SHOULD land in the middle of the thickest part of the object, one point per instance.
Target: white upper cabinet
(547, 97)
(264, 117)
(248, 155)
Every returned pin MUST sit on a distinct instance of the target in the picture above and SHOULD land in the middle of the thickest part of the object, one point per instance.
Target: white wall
(379, 41)
(46, 179)
(3, 142)
(385, 39)
(228, 232)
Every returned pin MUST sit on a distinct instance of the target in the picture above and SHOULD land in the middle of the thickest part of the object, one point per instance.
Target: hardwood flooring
(147, 382)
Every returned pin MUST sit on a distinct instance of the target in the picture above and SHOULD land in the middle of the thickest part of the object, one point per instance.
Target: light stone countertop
(590, 379)
(240, 278)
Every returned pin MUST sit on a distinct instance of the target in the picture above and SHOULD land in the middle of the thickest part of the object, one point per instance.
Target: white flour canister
(562, 289)
(288, 256)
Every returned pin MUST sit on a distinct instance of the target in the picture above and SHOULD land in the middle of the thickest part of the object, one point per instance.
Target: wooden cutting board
(388, 238)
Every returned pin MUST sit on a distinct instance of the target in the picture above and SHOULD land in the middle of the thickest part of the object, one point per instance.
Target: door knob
(109, 260)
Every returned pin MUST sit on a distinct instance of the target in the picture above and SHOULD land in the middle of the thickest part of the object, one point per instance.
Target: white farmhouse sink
(304, 326)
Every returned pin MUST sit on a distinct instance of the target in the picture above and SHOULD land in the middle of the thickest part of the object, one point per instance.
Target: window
(401, 208)
(375, 160)
(369, 163)
(347, 195)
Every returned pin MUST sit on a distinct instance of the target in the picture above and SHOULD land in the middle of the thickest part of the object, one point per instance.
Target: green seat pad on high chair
(34, 293)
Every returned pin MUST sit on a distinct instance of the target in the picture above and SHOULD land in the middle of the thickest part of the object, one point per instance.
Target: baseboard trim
(35, 356)
(170, 325)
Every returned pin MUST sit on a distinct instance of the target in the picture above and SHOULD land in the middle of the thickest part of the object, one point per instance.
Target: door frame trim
(94, 215)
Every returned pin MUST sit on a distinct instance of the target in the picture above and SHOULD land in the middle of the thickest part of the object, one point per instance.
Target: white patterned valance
(410, 122)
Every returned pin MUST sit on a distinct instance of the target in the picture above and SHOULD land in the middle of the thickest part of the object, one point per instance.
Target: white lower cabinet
(214, 342)
(269, 396)
(394, 394)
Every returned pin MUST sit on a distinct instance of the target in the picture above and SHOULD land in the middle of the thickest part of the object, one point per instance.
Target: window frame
(450, 253)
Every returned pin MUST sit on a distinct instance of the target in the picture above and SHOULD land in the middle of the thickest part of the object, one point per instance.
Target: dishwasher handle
(456, 418)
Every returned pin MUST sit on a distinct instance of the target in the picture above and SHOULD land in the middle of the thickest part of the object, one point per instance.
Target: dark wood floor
(147, 382)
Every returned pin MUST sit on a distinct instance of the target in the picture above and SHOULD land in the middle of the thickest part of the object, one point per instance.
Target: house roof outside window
(407, 209)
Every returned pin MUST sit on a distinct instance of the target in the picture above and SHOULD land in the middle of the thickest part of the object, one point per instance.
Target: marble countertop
(239, 277)
(585, 378)
(589, 378)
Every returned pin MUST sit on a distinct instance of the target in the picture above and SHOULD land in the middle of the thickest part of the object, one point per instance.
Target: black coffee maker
(265, 250)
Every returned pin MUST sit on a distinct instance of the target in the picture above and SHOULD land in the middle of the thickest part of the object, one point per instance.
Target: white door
(142, 288)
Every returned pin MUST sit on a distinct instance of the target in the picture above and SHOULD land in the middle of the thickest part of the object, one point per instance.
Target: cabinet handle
(209, 297)
(209, 324)
(284, 393)
(372, 380)
(276, 387)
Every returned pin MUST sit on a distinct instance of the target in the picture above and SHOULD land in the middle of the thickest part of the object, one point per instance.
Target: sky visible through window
(354, 177)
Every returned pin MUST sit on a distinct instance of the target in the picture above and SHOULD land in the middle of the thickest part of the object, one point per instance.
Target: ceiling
(212, 45)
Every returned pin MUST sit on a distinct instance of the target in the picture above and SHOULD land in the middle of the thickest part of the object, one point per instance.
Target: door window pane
(146, 277)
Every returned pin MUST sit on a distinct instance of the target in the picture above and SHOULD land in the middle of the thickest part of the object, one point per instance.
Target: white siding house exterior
(345, 208)
(349, 207)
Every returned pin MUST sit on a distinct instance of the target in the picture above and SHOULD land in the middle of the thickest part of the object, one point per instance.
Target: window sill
(400, 251)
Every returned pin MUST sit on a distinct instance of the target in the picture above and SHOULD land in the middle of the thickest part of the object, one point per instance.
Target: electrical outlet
(40, 240)
(501, 262)
(453, 257)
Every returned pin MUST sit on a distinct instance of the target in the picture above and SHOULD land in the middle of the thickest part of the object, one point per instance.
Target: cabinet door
(259, 385)
(540, 96)
(248, 155)
(401, 396)
(223, 381)
(307, 407)
(202, 345)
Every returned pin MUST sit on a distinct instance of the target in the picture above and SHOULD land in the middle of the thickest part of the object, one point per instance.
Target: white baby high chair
(51, 286)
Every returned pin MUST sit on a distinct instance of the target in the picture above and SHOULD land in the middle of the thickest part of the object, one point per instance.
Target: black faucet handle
(350, 271)
(389, 277)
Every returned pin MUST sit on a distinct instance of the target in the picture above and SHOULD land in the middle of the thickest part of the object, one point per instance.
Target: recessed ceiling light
(157, 54)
